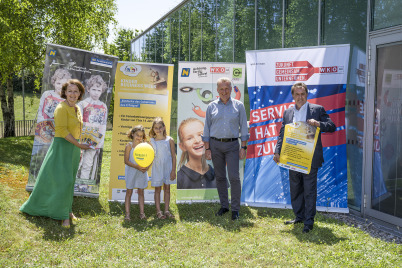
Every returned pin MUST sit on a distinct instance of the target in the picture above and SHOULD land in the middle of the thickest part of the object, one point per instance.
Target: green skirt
(53, 192)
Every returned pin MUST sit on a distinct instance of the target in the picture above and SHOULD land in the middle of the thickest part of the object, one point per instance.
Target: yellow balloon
(143, 154)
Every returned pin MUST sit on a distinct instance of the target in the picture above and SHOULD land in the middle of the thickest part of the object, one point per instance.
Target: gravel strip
(374, 229)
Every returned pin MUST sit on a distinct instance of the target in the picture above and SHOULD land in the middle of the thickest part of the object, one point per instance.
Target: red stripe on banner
(331, 102)
(261, 149)
(333, 139)
(338, 118)
(265, 131)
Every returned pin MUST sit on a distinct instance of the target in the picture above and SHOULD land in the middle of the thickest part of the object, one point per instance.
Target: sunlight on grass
(196, 238)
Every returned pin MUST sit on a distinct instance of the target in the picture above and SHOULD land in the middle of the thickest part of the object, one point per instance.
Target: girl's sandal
(160, 215)
(142, 216)
(127, 218)
(169, 215)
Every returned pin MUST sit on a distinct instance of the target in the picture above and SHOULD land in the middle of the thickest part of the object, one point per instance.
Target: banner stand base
(30, 189)
(288, 206)
(195, 201)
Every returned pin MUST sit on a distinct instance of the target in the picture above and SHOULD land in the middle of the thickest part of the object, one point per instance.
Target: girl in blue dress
(163, 167)
(135, 175)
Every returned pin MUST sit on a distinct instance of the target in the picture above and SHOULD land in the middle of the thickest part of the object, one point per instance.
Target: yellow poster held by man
(299, 141)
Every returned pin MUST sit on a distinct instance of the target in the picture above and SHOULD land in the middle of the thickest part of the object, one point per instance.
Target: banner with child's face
(96, 72)
(196, 89)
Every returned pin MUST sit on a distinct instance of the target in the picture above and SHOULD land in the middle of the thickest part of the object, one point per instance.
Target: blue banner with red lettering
(270, 76)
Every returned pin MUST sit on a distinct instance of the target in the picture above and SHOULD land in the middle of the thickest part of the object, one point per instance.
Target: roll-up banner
(196, 89)
(95, 71)
(270, 76)
(143, 91)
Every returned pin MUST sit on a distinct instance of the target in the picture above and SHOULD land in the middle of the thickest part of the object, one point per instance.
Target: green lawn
(196, 238)
(31, 106)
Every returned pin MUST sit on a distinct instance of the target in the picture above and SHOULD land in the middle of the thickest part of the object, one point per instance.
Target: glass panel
(159, 42)
(386, 13)
(136, 50)
(301, 23)
(161, 36)
(244, 28)
(387, 151)
(175, 36)
(174, 28)
(139, 49)
(225, 11)
(133, 50)
(196, 24)
(166, 42)
(150, 47)
(344, 22)
(144, 49)
(208, 31)
(269, 24)
(185, 32)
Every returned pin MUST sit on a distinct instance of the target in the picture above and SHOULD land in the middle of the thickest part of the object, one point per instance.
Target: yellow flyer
(143, 91)
(299, 141)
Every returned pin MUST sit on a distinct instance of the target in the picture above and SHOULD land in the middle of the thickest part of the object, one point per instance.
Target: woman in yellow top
(53, 193)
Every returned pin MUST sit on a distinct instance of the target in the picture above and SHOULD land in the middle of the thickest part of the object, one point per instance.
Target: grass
(31, 106)
(196, 238)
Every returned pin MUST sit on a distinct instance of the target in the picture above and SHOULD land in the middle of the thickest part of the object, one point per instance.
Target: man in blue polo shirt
(225, 119)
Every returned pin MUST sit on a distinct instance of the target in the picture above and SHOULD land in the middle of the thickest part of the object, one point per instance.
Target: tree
(27, 25)
(121, 45)
(121, 48)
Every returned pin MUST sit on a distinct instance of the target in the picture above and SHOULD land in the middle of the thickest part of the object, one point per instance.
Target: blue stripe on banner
(262, 140)
(273, 95)
(336, 110)
(265, 182)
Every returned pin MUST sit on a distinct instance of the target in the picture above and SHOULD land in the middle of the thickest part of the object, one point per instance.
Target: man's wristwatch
(244, 147)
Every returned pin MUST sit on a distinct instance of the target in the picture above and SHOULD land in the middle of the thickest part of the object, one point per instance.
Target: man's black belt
(225, 139)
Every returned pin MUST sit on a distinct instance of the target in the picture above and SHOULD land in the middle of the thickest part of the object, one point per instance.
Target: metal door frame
(376, 38)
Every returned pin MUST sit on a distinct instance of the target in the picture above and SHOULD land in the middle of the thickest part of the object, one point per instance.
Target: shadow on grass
(205, 212)
(319, 235)
(117, 210)
(276, 213)
(14, 150)
(52, 229)
(83, 206)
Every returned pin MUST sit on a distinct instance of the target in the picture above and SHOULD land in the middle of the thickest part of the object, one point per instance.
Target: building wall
(222, 30)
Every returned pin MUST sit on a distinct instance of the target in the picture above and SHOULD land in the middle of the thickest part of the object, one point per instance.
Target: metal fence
(22, 128)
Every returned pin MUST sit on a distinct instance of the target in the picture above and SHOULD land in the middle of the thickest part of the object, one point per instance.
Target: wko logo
(301, 70)
(217, 70)
(185, 72)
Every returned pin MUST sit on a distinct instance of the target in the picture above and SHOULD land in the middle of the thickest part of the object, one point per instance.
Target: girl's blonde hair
(184, 155)
(157, 120)
(131, 132)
